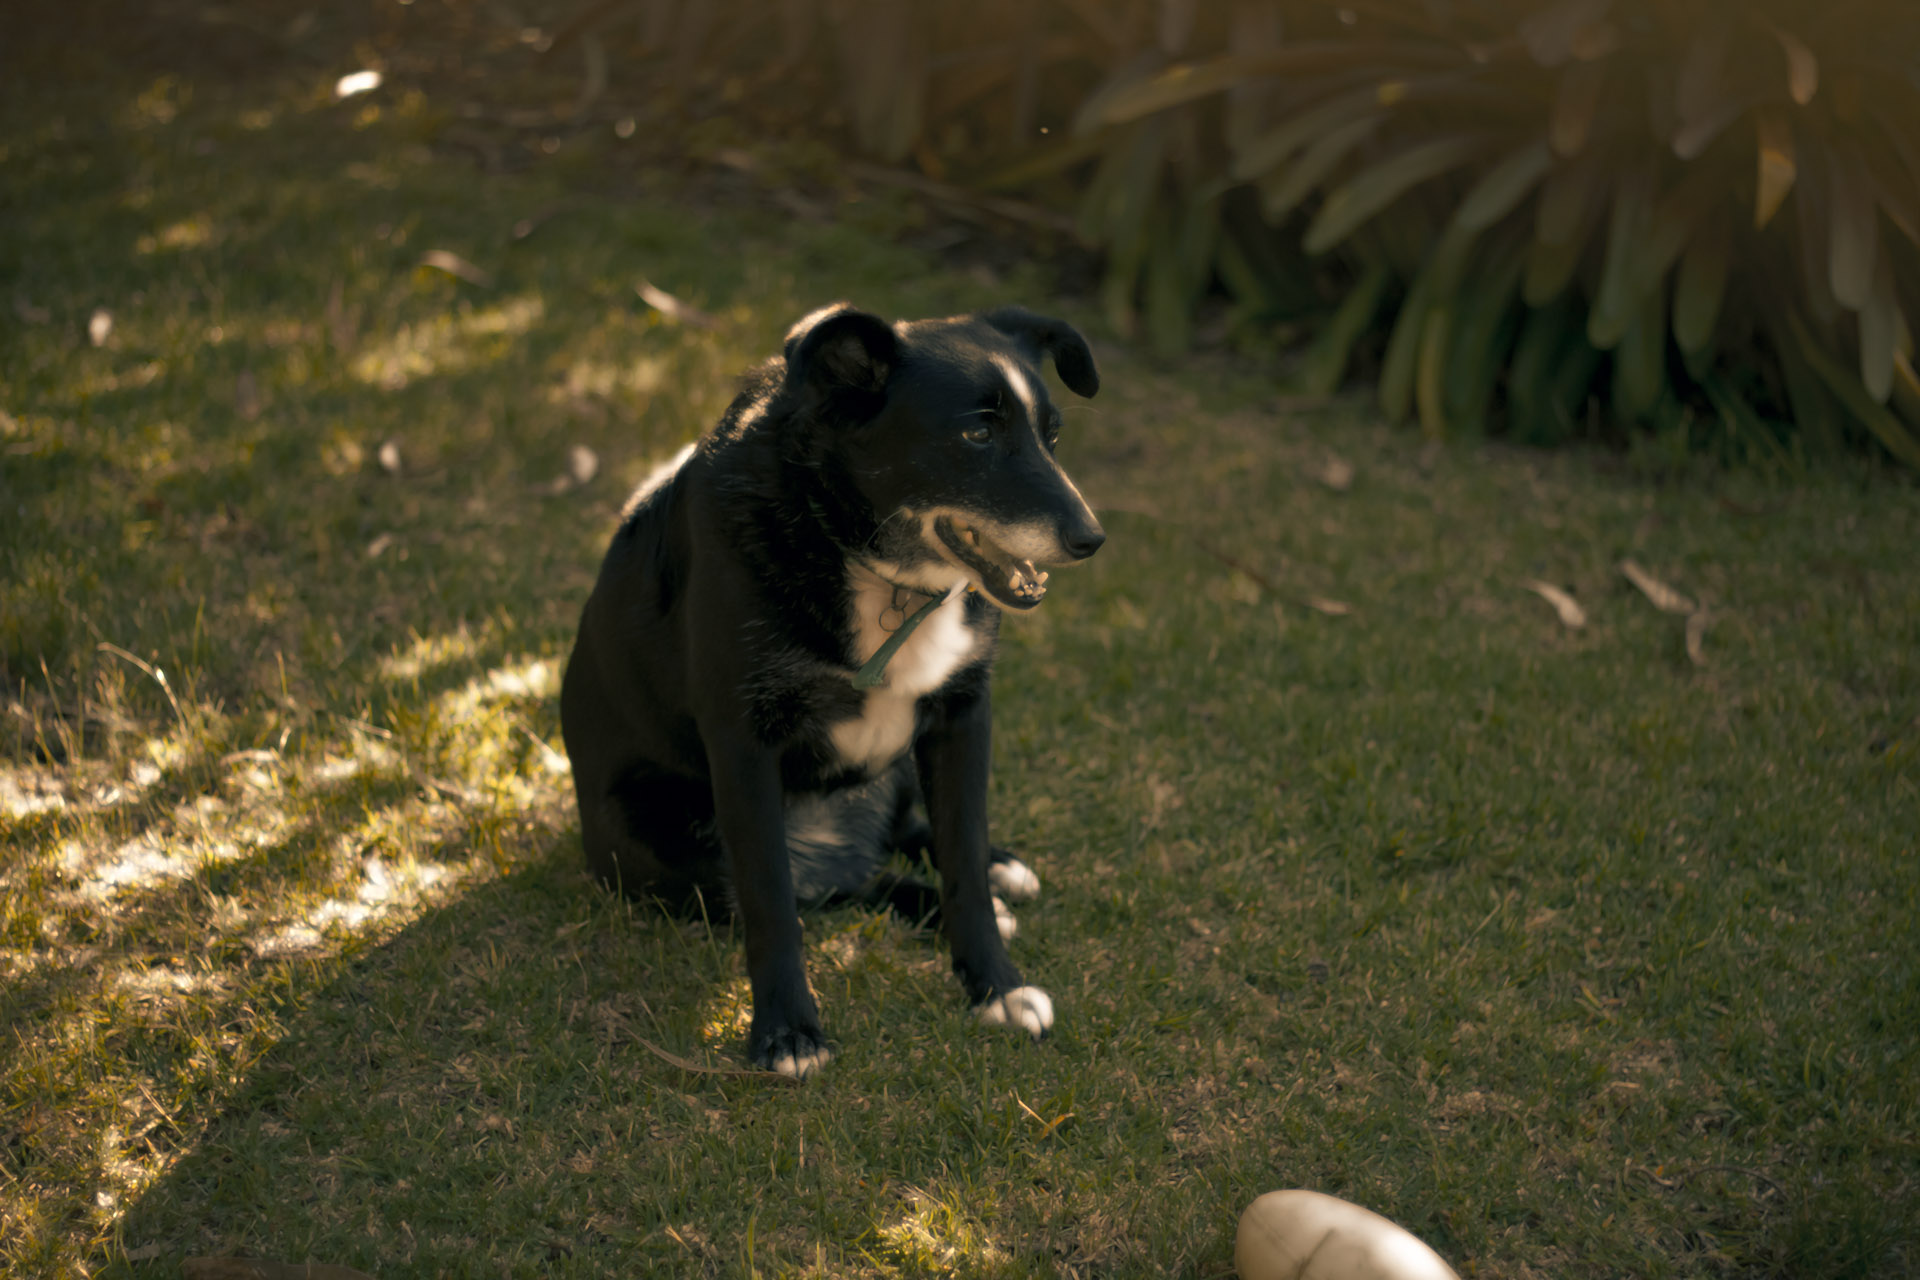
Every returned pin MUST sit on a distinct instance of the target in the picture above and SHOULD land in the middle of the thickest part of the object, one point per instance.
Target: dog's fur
(722, 750)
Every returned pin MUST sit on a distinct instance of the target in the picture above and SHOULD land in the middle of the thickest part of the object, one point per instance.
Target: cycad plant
(1551, 206)
(1534, 213)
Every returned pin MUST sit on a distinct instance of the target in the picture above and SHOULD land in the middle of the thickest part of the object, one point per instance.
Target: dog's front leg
(954, 756)
(785, 1035)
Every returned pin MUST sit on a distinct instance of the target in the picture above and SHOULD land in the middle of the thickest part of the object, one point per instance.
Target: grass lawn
(1363, 872)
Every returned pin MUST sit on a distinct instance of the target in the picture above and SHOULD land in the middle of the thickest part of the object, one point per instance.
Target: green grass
(1573, 956)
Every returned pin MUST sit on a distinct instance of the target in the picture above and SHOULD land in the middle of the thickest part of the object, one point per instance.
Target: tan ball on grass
(1307, 1235)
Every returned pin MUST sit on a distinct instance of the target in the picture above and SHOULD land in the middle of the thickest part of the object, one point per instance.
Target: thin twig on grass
(159, 675)
(1467, 941)
(1319, 604)
(1046, 1126)
(730, 1073)
(1693, 1171)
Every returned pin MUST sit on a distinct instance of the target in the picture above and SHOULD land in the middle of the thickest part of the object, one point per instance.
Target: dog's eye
(978, 433)
(1050, 430)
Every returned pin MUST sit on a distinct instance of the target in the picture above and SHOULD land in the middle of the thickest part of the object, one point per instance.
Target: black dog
(791, 635)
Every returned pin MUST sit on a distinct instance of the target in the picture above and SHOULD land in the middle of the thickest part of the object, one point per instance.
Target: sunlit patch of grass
(938, 1236)
(193, 232)
(725, 1018)
(427, 653)
(446, 344)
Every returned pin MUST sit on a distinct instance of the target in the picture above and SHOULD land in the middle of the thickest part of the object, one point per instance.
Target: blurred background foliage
(1544, 218)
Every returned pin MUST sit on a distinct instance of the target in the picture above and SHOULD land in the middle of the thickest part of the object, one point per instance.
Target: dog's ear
(1043, 334)
(838, 348)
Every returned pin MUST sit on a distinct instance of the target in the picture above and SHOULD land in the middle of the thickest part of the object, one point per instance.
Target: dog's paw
(792, 1051)
(1028, 1008)
(1013, 880)
(1004, 919)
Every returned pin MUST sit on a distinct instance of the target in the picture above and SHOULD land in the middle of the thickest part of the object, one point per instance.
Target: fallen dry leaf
(455, 265)
(1563, 604)
(356, 82)
(1662, 596)
(99, 326)
(1332, 608)
(246, 395)
(1337, 474)
(582, 465)
(1697, 637)
(390, 457)
(672, 308)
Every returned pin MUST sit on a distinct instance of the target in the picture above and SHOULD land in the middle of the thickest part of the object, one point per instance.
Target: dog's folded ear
(1044, 335)
(838, 347)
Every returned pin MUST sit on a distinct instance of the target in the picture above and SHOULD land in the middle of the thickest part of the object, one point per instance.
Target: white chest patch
(938, 647)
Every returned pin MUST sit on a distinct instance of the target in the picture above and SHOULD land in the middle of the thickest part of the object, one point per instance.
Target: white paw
(1014, 880)
(803, 1064)
(1028, 1008)
(1003, 917)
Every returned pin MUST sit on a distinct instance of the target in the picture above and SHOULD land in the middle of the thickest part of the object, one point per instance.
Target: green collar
(874, 673)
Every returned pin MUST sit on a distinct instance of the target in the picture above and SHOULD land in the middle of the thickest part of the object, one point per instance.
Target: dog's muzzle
(1011, 580)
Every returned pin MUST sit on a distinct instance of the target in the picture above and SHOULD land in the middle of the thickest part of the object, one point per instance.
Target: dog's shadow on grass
(492, 1052)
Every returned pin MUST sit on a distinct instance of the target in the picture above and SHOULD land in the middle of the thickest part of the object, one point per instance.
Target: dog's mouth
(1009, 579)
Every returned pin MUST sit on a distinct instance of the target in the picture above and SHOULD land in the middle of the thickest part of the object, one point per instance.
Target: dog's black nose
(1082, 540)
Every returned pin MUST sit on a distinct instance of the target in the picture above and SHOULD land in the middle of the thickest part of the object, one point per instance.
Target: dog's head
(946, 432)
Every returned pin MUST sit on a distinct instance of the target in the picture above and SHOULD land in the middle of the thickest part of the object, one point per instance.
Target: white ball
(1305, 1235)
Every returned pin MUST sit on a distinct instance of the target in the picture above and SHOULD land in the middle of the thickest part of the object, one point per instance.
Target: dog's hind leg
(917, 901)
(653, 837)
(646, 834)
(842, 841)
(1012, 879)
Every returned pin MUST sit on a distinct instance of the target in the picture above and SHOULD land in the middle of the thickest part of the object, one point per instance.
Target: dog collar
(874, 673)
